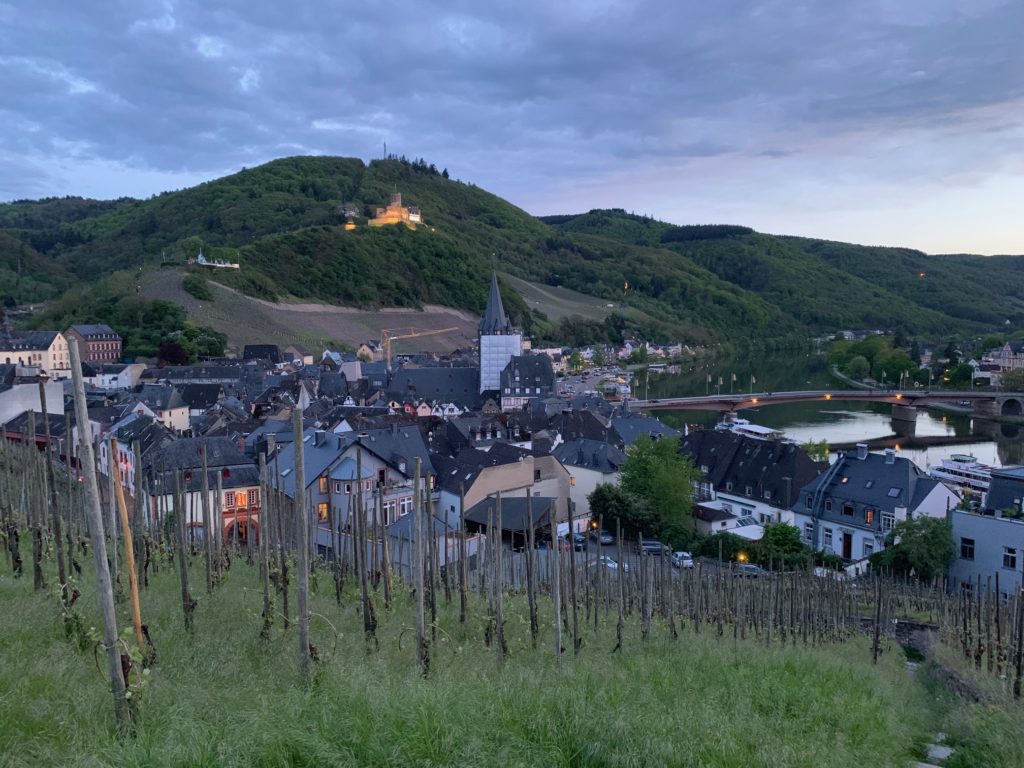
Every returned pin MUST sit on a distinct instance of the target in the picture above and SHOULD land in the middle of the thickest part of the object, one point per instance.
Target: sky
(889, 122)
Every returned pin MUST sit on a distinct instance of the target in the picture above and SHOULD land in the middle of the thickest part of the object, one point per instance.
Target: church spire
(494, 321)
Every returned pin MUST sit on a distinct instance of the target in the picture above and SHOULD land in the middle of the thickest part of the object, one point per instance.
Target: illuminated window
(321, 511)
(869, 516)
(323, 484)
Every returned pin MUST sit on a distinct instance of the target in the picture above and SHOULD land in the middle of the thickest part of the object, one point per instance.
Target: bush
(197, 286)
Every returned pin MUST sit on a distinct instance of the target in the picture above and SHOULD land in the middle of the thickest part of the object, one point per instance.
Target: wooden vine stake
(104, 587)
(301, 544)
(129, 556)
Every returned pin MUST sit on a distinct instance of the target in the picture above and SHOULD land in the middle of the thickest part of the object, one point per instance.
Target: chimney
(271, 444)
(890, 456)
(318, 437)
(862, 451)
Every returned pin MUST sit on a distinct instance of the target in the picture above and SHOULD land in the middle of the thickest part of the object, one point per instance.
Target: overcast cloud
(879, 121)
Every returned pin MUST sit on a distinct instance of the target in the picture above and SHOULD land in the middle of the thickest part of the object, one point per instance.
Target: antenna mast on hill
(385, 150)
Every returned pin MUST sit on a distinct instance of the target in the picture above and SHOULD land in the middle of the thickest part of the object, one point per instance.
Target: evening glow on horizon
(883, 122)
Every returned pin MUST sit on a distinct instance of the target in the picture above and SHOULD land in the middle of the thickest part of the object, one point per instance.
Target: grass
(224, 697)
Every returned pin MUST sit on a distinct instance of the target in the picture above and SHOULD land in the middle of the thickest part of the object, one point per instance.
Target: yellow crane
(398, 334)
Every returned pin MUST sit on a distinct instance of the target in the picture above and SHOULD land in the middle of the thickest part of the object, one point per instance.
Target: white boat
(745, 428)
(963, 471)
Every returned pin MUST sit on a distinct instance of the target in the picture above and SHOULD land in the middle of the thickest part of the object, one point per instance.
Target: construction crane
(389, 336)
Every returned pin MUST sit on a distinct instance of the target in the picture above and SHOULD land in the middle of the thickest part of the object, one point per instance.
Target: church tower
(499, 341)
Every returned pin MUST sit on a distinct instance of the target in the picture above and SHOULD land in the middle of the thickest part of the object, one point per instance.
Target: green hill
(282, 222)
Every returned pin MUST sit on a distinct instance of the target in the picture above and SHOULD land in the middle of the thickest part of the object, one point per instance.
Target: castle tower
(499, 341)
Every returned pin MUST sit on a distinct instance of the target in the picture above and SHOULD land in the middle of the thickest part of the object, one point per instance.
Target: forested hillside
(282, 222)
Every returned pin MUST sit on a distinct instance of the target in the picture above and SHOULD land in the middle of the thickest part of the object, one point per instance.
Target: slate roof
(201, 396)
(269, 352)
(515, 512)
(761, 465)
(457, 385)
(19, 424)
(184, 453)
(160, 397)
(1007, 488)
(866, 483)
(629, 428)
(494, 321)
(590, 454)
(26, 340)
(95, 331)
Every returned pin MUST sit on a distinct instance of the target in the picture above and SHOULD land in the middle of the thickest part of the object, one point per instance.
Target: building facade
(96, 343)
(499, 341)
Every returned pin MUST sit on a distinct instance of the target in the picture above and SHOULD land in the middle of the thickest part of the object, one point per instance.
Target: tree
(575, 360)
(598, 358)
(656, 472)
(858, 367)
(610, 503)
(780, 544)
(1012, 381)
(961, 375)
(922, 547)
(817, 450)
(950, 353)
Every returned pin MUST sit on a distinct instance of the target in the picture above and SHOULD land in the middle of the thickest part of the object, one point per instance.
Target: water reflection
(934, 436)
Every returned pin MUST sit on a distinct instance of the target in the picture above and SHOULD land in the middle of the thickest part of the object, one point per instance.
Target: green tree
(922, 547)
(610, 503)
(598, 356)
(816, 449)
(656, 472)
(575, 360)
(1012, 381)
(858, 367)
(780, 545)
(961, 375)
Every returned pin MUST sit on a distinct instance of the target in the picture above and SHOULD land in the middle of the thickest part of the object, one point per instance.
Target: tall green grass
(224, 697)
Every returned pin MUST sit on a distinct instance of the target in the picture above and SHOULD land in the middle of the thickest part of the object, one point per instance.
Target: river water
(935, 436)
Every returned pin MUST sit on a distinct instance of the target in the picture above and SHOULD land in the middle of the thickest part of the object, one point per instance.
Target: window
(888, 521)
(405, 505)
(728, 485)
(869, 517)
(348, 488)
(749, 490)
(809, 532)
(826, 538)
(869, 483)
(321, 511)
(254, 497)
(767, 495)
(536, 475)
(848, 509)
(828, 505)
(337, 487)
(323, 484)
(390, 507)
(966, 548)
(894, 492)
(869, 547)
(1010, 558)
(382, 476)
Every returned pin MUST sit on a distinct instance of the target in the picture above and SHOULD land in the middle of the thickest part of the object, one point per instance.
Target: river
(935, 436)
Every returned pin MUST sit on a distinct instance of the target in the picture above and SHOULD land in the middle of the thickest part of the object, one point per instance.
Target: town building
(526, 378)
(499, 341)
(46, 350)
(850, 508)
(97, 343)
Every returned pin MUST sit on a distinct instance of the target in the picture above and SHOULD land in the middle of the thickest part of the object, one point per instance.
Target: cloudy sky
(876, 121)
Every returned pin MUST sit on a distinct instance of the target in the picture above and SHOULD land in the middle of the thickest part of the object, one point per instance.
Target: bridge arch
(1012, 407)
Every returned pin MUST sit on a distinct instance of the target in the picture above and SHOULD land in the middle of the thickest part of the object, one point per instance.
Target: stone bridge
(982, 404)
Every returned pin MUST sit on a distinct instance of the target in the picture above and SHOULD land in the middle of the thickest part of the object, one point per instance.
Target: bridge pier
(904, 413)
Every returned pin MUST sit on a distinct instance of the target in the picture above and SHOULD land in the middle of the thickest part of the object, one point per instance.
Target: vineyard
(220, 651)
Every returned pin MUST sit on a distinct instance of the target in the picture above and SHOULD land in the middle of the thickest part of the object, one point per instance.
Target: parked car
(579, 541)
(602, 537)
(650, 547)
(682, 559)
(609, 563)
(749, 571)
